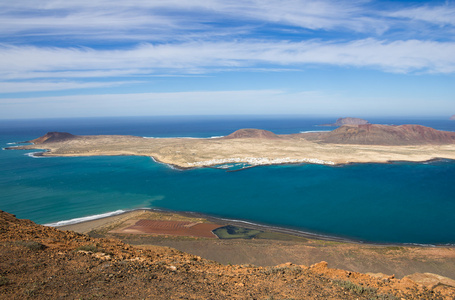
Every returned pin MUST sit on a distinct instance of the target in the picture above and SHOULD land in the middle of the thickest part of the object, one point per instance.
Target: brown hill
(45, 263)
(252, 133)
(374, 134)
(51, 137)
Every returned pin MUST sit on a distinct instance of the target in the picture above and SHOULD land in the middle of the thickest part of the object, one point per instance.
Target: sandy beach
(273, 247)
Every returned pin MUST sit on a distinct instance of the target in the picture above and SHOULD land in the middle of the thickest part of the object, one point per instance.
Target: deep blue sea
(386, 203)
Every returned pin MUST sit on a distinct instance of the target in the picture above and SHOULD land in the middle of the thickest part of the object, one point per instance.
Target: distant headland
(364, 143)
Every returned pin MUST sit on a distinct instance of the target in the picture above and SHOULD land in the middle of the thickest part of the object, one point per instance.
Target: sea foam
(84, 219)
(32, 154)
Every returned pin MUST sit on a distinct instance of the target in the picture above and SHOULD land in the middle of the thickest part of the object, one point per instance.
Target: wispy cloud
(53, 45)
(443, 15)
(39, 86)
(199, 57)
(158, 20)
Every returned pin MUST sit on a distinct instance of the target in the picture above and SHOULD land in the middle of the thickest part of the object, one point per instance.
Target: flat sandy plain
(188, 152)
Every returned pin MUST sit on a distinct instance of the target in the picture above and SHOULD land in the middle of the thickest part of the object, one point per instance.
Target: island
(365, 143)
(347, 121)
(452, 118)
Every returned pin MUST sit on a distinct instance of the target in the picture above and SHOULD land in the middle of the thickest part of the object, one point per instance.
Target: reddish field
(178, 228)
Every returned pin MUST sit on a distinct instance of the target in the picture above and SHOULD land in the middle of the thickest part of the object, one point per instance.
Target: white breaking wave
(88, 218)
(32, 154)
(307, 131)
(258, 161)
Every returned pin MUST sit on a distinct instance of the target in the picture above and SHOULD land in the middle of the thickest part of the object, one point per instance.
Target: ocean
(399, 202)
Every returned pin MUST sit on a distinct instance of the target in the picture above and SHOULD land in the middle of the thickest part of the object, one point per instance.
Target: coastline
(275, 247)
(204, 155)
(94, 222)
(263, 162)
(90, 223)
(253, 161)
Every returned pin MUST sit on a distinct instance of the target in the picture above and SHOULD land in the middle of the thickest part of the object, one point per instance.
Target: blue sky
(143, 58)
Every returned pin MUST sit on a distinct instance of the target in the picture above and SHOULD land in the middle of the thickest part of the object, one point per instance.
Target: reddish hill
(374, 134)
(51, 137)
(252, 133)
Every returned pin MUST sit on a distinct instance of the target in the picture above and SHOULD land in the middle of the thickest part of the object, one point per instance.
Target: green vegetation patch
(3, 280)
(293, 270)
(32, 245)
(267, 235)
(358, 289)
(233, 232)
(89, 248)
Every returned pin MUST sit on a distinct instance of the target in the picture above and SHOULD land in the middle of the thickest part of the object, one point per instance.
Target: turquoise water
(394, 203)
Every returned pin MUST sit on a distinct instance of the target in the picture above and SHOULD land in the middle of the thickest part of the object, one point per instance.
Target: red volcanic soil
(252, 133)
(51, 137)
(374, 134)
(178, 228)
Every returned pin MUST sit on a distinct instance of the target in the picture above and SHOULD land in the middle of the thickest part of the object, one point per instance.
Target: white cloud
(198, 57)
(440, 15)
(37, 86)
(156, 20)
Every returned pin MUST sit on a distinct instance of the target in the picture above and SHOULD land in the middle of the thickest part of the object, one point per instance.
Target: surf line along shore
(347, 144)
(273, 246)
(128, 219)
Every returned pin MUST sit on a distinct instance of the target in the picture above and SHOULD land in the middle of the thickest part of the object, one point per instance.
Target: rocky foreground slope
(44, 263)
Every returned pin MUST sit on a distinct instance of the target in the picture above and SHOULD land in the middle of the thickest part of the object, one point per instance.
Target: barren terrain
(272, 247)
(347, 144)
(45, 263)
